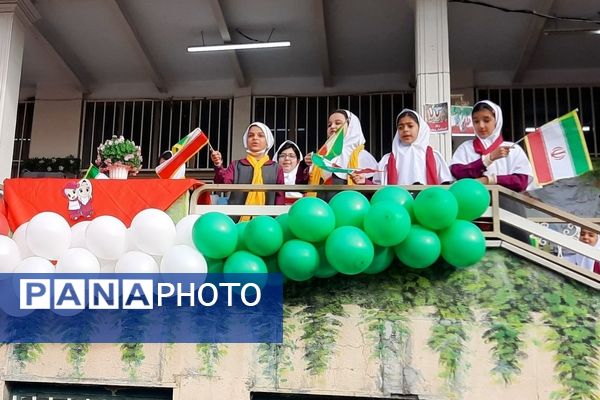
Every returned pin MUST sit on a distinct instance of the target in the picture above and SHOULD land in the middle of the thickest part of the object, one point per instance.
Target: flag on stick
(93, 172)
(325, 164)
(557, 150)
(183, 150)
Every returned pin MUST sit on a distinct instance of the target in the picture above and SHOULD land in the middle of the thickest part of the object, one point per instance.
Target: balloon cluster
(152, 244)
(351, 234)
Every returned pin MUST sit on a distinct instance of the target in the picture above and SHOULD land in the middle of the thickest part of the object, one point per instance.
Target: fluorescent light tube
(265, 45)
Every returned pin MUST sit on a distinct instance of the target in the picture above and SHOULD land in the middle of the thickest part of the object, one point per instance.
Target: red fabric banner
(81, 200)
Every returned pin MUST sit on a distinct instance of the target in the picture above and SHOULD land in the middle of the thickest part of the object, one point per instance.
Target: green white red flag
(557, 150)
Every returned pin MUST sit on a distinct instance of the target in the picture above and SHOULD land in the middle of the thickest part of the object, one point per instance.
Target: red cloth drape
(123, 199)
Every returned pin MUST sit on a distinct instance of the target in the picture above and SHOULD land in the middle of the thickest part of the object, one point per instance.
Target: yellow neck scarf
(256, 198)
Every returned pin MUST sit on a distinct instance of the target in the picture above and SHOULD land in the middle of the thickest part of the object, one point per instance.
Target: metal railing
(497, 217)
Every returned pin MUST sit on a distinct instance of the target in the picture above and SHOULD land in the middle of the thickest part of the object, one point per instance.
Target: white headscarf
(411, 159)
(266, 131)
(290, 177)
(515, 163)
(353, 138)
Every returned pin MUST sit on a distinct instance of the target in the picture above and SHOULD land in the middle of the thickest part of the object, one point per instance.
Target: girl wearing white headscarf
(289, 157)
(412, 160)
(256, 168)
(352, 154)
(590, 238)
(488, 157)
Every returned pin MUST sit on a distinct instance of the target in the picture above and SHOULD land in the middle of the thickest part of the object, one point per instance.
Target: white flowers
(119, 151)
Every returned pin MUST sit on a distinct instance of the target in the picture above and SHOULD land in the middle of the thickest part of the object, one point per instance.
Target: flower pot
(118, 171)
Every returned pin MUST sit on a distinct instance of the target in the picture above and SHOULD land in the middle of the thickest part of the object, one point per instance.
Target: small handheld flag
(557, 150)
(183, 150)
(93, 172)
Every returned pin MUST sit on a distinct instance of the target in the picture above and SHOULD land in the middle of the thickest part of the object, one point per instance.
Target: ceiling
(138, 47)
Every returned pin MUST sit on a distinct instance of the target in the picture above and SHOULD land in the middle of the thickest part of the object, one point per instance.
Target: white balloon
(10, 255)
(136, 262)
(106, 237)
(78, 261)
(130, 245)
(20, 238)
(34, 265)
(184, 230)
(183, 259)
(153, 231)
(31, 265)
(107, 266)
(78, 234)
(48, 235)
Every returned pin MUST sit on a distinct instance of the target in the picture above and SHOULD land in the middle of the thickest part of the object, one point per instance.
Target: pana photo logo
(141, 308)
(128, 294)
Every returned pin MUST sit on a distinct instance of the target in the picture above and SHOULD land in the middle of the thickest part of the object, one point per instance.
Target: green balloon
(298, 260)
(285, 228)
(263, 236)
(472, 197)
(387, 224)
(463, 244)
(215, 266)
(349, 250)
(241, 227)
(381, 261)
(350, 208)
(215, 235)
(311, 219)
(420, 249)
(324, 270)
(244, 262)
(395, 194)
(435, 208)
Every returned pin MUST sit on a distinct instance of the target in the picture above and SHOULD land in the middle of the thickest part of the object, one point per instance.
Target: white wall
(56, 122)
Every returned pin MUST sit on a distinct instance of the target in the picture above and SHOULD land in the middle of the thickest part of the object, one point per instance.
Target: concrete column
(242, 112)
(432, 62)
(15, 17)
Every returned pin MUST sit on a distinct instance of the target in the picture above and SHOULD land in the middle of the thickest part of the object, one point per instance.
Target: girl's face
(256, 140)
(588, 237)
(408, 130)
(336, 120)
(484, 123)
(288, 160)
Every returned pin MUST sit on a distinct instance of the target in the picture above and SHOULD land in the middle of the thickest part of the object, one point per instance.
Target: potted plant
(119, 157)
(52, 166)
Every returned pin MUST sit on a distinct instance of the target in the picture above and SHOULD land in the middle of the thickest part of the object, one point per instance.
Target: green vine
(576, 341)
(276, 358)
(26, 352)
(210, 355)
(76, 353)
(508, 313)
(132, 355)
(320, 321)
(455, 295)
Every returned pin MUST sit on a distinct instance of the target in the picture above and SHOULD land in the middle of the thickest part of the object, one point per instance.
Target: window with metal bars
(156, 125)
(22, 135)
(304, 119)
(524, 108)
(49, 391)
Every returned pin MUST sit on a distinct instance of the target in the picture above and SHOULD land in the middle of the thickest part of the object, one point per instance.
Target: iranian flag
(557, 150)
(183, 150)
